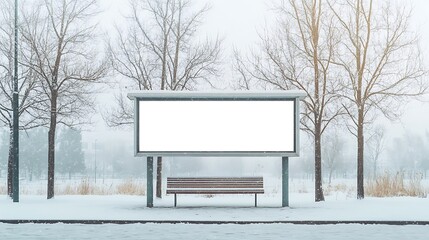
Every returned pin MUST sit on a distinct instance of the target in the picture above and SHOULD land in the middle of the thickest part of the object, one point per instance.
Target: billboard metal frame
(294, 96)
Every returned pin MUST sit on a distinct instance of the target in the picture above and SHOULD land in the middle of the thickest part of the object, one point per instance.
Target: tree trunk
(330, 175)
(10, 163)
(163, 86)
(318, 112)
(176, 53)
(374, 174)
(165, 48)
(360, 139)
(318, 165)
(51, 146)
(159, 177)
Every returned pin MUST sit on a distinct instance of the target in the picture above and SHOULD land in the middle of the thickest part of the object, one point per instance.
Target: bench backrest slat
(216, 182)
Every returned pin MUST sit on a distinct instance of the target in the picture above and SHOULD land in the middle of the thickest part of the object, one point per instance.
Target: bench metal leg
(175, 200)
(256, 200)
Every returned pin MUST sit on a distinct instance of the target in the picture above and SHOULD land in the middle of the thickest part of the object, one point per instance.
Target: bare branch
(160, 50)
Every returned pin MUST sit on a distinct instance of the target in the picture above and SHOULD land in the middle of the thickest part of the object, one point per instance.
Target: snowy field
(340, 205)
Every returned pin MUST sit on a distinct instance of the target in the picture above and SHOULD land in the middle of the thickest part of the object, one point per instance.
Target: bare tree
(27, 83)
(409, 153)
(161, 50)
(65, 63)
(298, 55)
(333, 148)
(381, 60)
(424, 164)
(374, 146)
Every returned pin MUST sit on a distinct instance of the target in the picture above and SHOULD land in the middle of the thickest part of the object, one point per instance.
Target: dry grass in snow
(84, 186)
(331, 189)
(3, 190)
(389, 185)
(87, 187)
(130, 187)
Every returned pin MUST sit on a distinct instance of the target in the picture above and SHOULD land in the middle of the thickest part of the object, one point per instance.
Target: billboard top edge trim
(291, 94)
(217, 154)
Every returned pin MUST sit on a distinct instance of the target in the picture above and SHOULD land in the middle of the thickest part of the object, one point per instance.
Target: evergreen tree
(4, 150)
(71, 158)
(33, 152)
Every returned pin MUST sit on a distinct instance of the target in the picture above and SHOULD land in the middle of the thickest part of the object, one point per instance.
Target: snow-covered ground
(216, 208)
(340, 205)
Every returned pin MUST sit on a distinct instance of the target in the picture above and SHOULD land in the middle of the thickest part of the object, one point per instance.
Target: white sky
(237, 22)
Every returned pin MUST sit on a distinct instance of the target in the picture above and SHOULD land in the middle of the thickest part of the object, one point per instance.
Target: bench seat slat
(217, 180)
(214, 177)
(188, 185)
(246, 182)
(229, 181)
(217, 191)
(215, 186)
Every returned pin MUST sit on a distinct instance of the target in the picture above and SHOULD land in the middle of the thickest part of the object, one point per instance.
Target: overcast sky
(237, 22)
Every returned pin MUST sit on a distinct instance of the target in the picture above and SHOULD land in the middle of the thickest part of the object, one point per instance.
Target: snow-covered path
(224, 231)
(216, 208)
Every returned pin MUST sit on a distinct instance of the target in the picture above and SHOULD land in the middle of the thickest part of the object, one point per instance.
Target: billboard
(213, 124)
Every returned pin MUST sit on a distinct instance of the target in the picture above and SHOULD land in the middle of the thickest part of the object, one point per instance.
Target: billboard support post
(285, 182)
(149, 182)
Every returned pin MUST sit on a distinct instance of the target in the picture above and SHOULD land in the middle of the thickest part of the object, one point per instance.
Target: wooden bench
(215, 185)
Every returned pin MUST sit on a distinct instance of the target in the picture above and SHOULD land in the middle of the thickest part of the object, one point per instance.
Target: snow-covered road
(224, 231)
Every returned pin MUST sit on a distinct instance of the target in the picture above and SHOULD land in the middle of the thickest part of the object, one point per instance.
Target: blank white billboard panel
(216, 126)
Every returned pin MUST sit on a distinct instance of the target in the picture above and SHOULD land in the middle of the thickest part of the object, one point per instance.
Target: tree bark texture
(10, 164)
(51, 146)
(360, 162)
(318, 165)
(159, 177)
